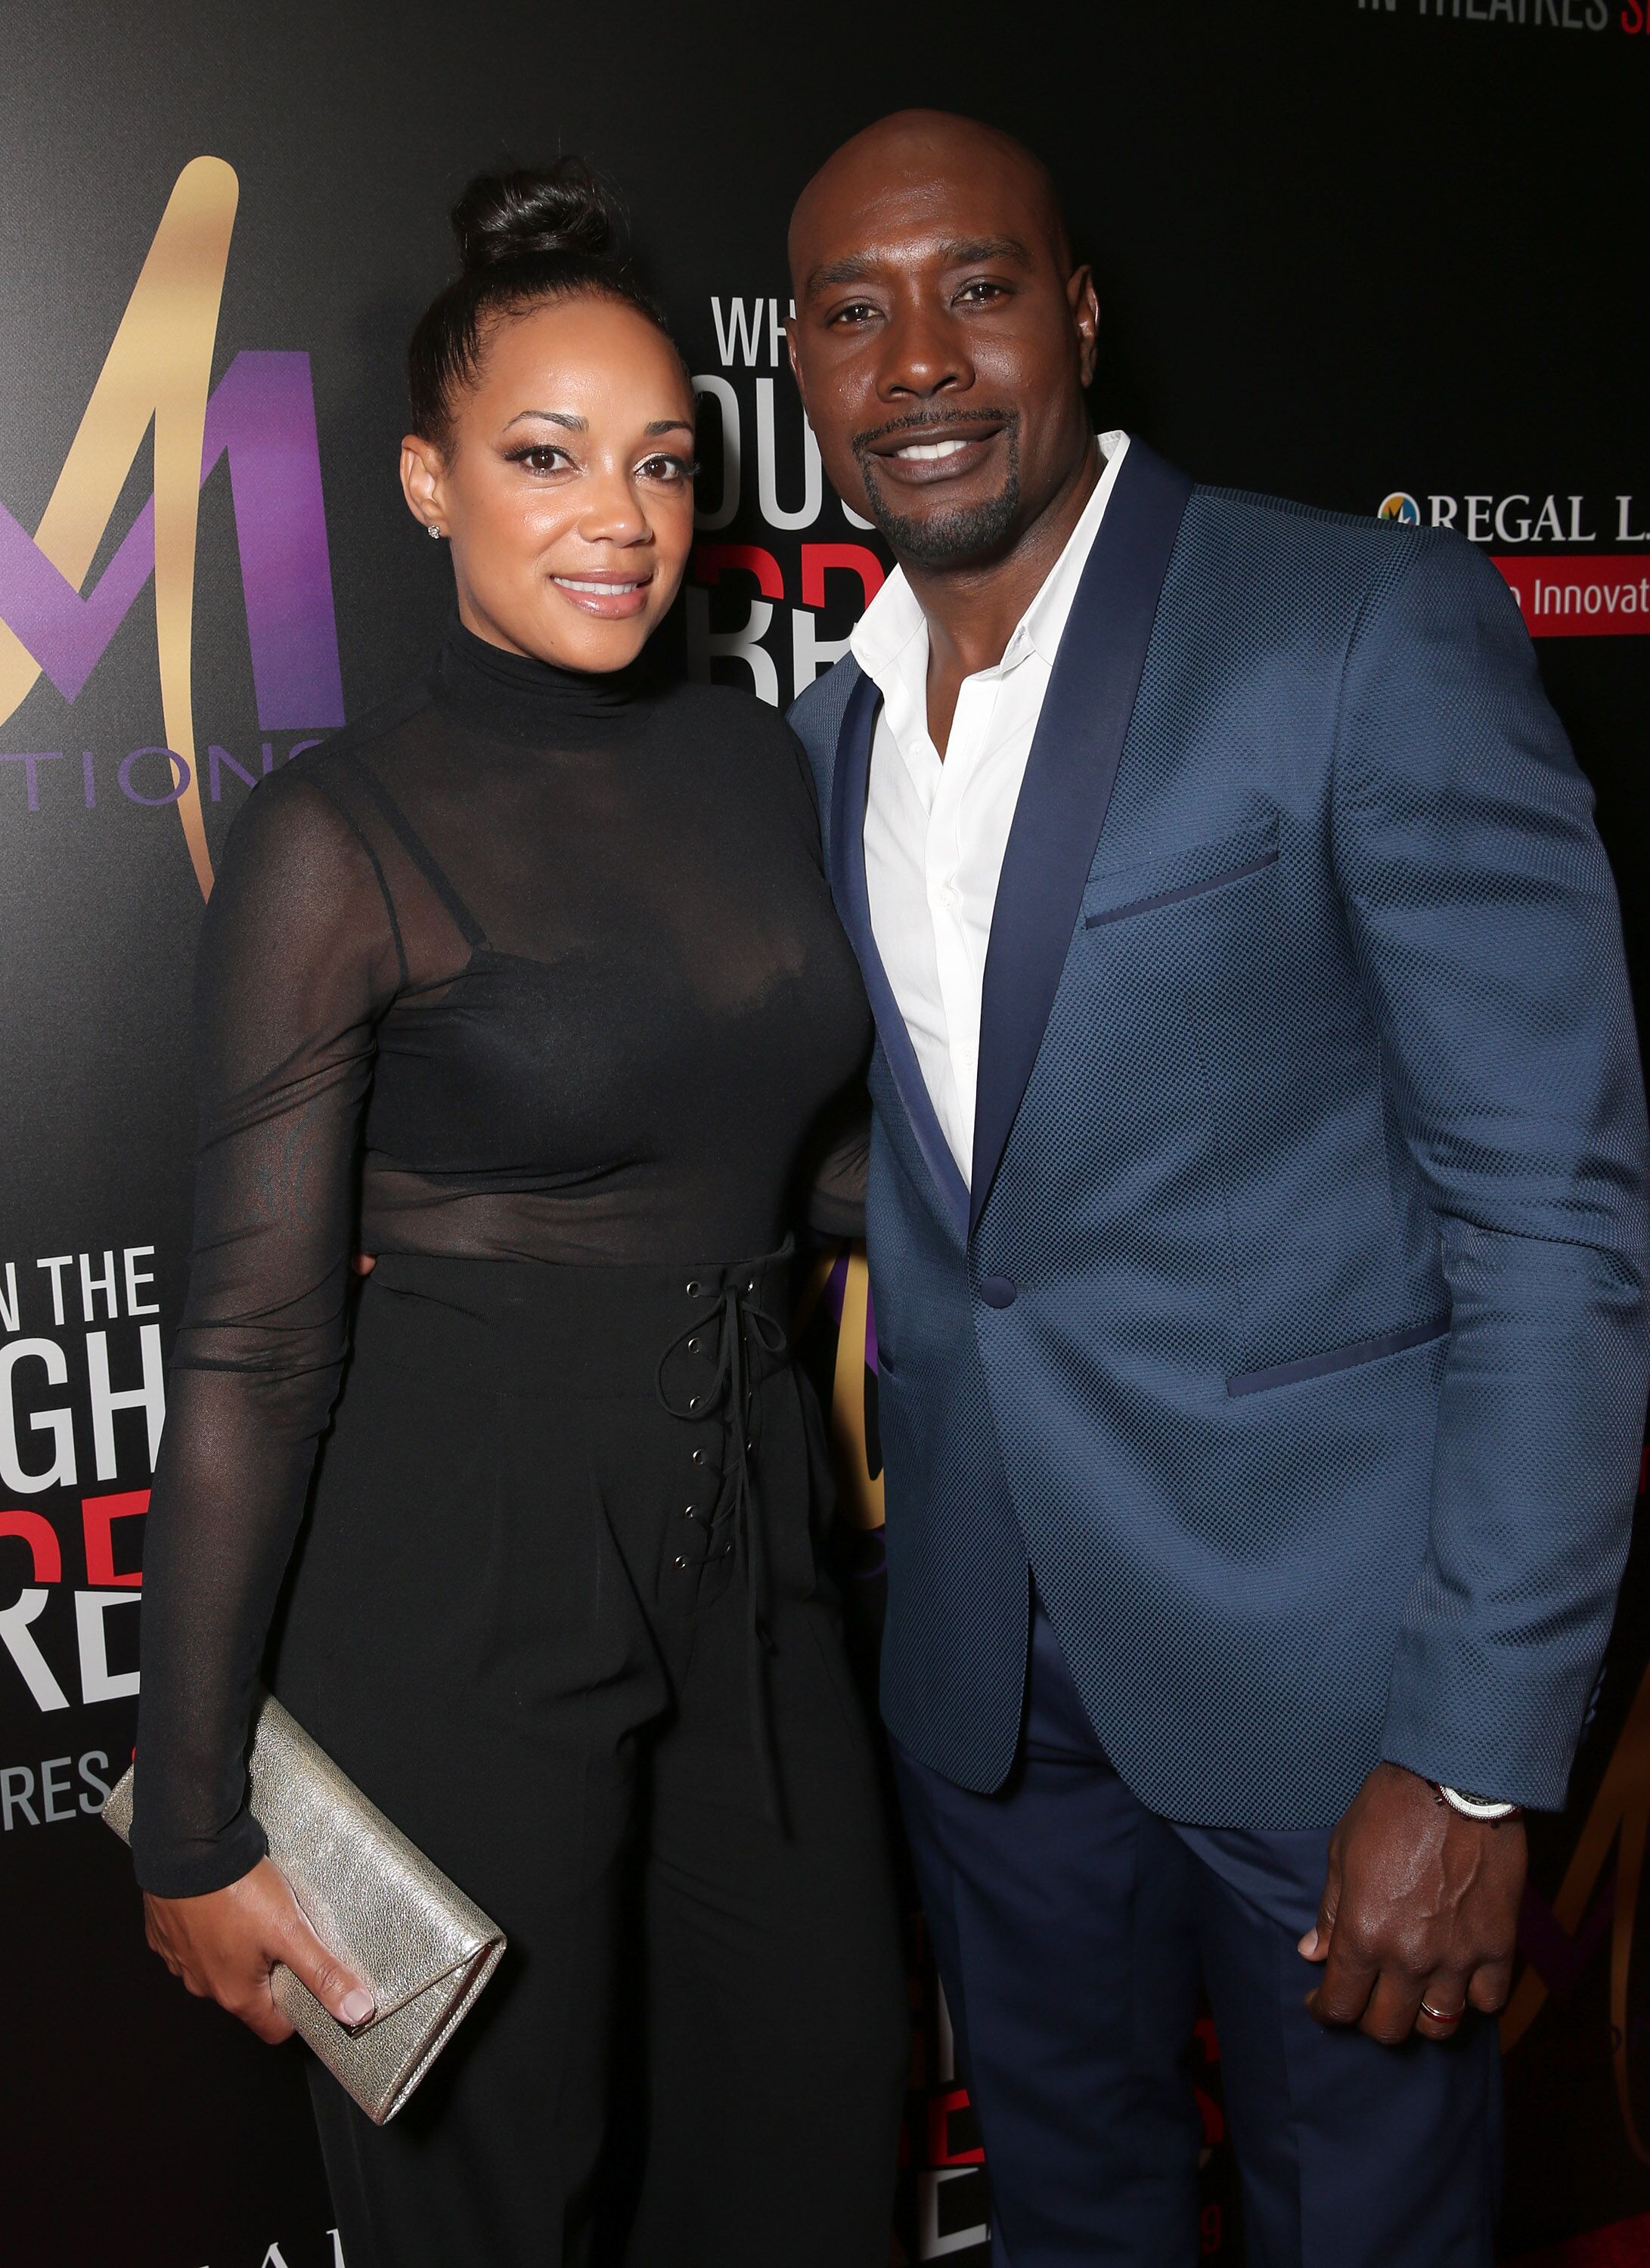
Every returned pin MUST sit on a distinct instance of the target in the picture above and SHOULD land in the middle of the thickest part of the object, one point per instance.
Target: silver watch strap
(1476, 1807)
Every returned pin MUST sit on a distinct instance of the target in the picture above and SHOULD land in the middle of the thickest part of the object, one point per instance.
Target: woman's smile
(613, 597)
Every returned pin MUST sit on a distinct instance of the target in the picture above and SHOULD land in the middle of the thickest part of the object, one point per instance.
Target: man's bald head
(943, 338)
(924, 151)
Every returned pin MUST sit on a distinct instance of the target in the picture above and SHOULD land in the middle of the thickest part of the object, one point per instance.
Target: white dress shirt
(936, 830)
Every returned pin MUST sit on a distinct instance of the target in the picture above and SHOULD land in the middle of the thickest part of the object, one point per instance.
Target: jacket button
(998, 1291)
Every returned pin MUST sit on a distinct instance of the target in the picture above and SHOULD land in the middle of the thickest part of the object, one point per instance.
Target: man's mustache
(925, 420)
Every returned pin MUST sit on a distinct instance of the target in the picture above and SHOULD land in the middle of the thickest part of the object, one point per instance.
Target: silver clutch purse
(420, 1944)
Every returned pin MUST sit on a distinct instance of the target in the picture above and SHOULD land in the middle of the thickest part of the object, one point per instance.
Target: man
(1257, 1236)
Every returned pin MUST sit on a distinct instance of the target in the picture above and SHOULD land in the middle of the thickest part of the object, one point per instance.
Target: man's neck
(972, 610)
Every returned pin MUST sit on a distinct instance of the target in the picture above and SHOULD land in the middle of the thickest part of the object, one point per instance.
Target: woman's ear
(422, 480)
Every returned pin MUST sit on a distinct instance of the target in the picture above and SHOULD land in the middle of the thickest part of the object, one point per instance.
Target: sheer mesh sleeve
(298, 955)
(833, 1199)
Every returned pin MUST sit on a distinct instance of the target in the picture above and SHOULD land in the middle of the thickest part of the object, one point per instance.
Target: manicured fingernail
(1309, 1944)
(355, 2007)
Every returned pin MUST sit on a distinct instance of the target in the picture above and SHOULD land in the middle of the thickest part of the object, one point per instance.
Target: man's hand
(1420, 1905)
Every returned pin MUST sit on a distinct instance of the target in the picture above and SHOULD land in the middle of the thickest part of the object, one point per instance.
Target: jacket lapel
(1068, 783)
(850, 780)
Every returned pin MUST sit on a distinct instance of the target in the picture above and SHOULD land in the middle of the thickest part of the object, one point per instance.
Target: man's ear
(1085, 304)
(796, 367)
(424, 480)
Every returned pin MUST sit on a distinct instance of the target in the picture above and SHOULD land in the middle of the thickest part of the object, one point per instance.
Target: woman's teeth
(600, 589)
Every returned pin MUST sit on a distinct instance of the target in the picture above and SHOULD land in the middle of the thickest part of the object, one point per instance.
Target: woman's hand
(223, 1945)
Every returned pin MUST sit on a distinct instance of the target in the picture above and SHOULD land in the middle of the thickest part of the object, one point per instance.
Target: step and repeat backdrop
(1385, 255)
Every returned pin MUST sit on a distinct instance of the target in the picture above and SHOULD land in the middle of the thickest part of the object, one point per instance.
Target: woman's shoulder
(741, 718)
(739, 725)
(737, 722)
(324, 762)
(327, 774)
(314, 807)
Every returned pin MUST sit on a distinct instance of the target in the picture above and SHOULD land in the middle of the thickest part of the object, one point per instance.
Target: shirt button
(998, 1291)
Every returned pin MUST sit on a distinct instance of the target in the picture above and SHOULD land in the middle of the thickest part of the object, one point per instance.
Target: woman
(540, 958)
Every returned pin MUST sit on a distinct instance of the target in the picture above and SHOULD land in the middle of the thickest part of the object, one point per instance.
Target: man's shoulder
(1296, 577)
(1279, 526)
(816, 714)
(1268, 542)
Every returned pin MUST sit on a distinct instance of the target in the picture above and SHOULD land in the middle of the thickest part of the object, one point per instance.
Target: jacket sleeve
(1485, 918)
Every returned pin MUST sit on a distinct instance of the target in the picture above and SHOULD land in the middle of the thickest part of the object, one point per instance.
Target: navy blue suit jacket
(1293, 1330)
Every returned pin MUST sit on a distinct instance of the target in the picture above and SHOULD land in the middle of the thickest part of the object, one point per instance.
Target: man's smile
(920, 452)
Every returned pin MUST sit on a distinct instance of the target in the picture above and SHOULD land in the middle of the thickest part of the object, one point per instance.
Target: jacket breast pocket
(1353, 1356)
(1150, 885)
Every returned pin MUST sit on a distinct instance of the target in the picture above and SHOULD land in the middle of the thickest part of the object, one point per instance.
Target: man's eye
(981, 294)
(857, 311)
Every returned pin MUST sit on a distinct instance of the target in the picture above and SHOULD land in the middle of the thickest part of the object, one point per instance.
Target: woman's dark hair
(547, 232)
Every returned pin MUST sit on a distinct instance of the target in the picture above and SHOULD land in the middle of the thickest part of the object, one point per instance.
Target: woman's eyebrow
(573, 424)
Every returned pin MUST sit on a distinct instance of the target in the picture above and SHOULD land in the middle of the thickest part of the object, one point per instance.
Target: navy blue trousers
(1073, 1928)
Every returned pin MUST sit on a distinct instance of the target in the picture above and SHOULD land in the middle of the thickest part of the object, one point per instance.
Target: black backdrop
(1353, 251)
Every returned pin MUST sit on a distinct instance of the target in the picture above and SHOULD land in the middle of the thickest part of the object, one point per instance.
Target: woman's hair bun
(534, 213)
(526, 239)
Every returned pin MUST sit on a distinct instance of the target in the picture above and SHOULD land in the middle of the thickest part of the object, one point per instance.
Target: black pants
(1072, 1926)
(556, 1597)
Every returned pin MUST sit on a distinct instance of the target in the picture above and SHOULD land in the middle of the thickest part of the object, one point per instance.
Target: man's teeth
(601, 589)
(926, 451)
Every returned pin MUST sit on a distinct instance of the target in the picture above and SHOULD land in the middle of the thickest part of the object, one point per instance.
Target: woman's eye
(670, 471)
(542, 457)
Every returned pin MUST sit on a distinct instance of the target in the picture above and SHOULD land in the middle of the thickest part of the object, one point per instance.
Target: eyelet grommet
(698, 1456)
(681, 1563)
(693, 1346)
(693, 1401)
(694, 1289)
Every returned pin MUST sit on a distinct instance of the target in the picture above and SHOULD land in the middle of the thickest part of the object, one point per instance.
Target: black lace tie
(738, 1322)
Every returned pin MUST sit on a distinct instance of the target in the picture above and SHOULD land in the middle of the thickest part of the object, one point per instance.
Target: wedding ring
(1441, 2015)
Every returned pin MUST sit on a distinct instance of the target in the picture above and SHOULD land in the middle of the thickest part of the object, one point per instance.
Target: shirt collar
(882, 639)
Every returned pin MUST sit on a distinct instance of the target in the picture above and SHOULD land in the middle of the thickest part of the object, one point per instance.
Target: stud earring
(435, 535)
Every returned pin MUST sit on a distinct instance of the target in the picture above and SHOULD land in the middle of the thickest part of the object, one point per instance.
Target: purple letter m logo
(262, 416)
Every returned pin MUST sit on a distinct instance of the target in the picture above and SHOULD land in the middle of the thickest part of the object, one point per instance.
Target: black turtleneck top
(529, 964)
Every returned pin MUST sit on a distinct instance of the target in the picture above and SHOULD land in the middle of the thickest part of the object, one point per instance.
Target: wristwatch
(1476, 1807)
